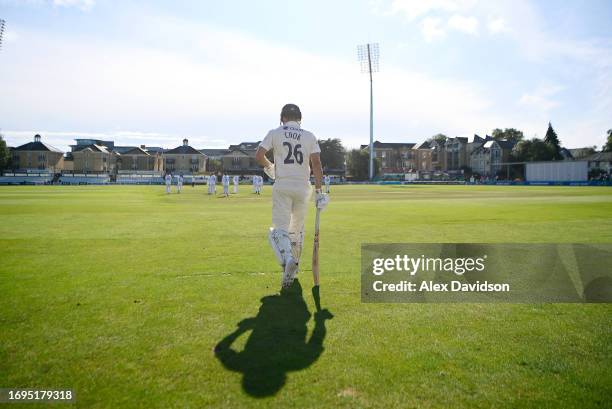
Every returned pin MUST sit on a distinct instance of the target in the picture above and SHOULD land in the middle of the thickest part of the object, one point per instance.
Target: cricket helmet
(291, 111)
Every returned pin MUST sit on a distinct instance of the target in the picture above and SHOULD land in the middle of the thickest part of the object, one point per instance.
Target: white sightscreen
(557, 171)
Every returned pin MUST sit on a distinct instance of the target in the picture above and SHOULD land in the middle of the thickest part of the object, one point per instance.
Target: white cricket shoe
(289, 273)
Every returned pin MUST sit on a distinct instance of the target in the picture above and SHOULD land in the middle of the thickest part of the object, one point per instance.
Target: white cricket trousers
(290, 204)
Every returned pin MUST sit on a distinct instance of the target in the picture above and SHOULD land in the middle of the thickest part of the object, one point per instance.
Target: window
(236, 162)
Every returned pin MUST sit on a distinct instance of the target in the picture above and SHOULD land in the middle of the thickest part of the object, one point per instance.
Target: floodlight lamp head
(1, 31)
(368, 55)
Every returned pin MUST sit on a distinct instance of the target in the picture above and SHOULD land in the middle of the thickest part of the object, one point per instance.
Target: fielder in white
(256, 184)
(225, 180)
(295, 150)
(236, 179)
(179, 183)
(211, 184)
(168, 179)
(327, 183)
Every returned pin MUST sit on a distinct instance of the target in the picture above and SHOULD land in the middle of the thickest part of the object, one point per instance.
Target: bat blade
(315, 251)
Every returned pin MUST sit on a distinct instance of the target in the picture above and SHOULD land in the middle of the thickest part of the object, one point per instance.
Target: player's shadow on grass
(277, 343)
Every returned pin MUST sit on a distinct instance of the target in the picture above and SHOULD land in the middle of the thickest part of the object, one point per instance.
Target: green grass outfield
(122, 293)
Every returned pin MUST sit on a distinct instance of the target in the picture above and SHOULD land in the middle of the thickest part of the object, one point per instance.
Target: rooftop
(600, 157)
(92, 147)
(38, 146)
(183, 149)
(245, 146)
(389, 145)
(214, 152)
(135, 150)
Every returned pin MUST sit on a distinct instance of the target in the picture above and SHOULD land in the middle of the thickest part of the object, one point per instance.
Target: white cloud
(432, 29)
(436, 17)
(465, 24)
(414, 9)
(63, 139)
(219, 85)
(542, 98)
(84, 5)
(497, 25)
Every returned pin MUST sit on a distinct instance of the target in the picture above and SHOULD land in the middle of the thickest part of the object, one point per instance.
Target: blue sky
(217, 73)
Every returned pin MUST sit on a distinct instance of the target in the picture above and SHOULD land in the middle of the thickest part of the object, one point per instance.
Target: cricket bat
(315, 250)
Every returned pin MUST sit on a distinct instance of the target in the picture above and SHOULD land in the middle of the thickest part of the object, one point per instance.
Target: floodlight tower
(368, 58)
(2, 22)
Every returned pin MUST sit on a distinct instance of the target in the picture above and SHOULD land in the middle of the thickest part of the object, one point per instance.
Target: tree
(552, 139)
(509, 134)
(332, 154)
(214, 165)
(608, 146)
(533, 150)
(5, 157)
(358, 164)
(439, 138)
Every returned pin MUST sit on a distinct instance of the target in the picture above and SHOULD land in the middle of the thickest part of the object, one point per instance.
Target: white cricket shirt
(292, 148)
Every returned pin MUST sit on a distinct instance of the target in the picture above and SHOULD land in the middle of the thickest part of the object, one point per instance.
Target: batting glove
(321, 199)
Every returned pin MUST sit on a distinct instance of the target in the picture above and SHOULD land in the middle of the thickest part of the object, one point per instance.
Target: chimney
(142, 147)
(185, 142)
(37, 138)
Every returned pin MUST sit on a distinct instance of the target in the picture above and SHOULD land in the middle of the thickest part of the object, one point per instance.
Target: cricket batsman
(295, 151)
